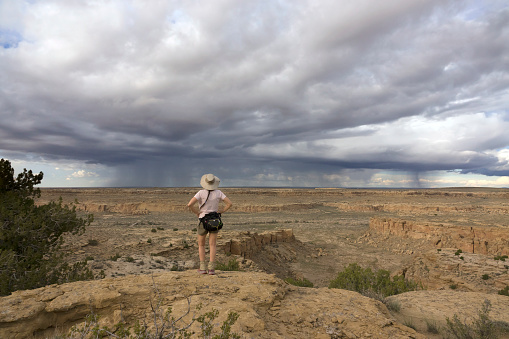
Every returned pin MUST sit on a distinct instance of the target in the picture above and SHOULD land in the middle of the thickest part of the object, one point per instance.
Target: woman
(208, 200)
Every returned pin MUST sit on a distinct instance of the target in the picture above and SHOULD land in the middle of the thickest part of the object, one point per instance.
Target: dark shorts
(202, 231)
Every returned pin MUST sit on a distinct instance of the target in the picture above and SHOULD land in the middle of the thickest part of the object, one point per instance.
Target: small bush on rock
(432, 327)
(392, 305)
(365, 281)
(504, 291)
(162, 324)
(481, 327)
(232, 265)
(302, 283)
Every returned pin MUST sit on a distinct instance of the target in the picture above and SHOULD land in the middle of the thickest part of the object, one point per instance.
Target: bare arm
(192, 206)
(227, 206)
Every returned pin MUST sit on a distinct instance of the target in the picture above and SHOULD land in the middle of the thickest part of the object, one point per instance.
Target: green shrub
(129, 259)
(458, 252)
(93, 242)
(409, 323)
(162, 324)
(153, 230)
(207, 325)
(232, 265)
(504, 291)
(500, 257)
(432, 327)
(485, 277)
(31, 235)
(481, 327)
(392, 305)
(355, 278)
(115, 257)
(453, 286)
(302, 283)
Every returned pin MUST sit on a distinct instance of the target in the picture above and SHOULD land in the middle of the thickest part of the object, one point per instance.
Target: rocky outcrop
(448, 269)
(267, 306)
(177, 250)
(248, 244)
(482, 240)
(420, 308)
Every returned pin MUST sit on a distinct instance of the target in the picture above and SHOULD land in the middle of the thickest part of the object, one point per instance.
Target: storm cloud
(290, 93)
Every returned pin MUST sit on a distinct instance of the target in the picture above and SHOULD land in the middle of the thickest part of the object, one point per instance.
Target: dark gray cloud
(258, 91)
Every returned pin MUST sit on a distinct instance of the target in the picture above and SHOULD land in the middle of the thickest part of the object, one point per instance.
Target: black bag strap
(205, 200)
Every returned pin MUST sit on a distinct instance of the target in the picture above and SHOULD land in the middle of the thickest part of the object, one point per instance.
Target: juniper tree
(31, 234)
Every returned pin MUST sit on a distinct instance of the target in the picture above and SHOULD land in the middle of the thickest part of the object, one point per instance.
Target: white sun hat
(210, 182)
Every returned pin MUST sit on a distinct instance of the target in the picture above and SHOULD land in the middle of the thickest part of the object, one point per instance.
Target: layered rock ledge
(480, 240)
(250, 243)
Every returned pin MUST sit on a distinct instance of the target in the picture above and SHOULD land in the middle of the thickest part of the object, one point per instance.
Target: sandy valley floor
(150, 229)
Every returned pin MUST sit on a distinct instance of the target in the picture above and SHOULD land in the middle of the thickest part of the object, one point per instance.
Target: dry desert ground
(332, 226)
(452, 241)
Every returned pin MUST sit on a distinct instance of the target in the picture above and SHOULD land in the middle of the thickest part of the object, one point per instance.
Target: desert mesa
(452, 241)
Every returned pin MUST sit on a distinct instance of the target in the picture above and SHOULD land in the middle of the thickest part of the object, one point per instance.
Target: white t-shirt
(212, 204)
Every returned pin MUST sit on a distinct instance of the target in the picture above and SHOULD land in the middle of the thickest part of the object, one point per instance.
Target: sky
(286, 93)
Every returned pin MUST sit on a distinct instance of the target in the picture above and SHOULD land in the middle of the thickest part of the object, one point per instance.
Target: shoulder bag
(211, 221)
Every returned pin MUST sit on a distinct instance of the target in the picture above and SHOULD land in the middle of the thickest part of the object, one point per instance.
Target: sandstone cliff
(481, 240)
(463, 258)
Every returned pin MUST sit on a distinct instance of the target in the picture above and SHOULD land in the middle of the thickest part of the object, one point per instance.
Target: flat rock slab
(267, 306)
(419, 307)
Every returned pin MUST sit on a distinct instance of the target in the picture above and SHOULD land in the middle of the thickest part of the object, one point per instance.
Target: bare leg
(212, 246)
(201, 246)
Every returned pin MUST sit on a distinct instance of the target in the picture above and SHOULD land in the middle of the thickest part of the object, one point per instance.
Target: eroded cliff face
(267, 306)
(481, 240)
(164, 200)
(445, 256)
(248, 243)
(447, 269)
